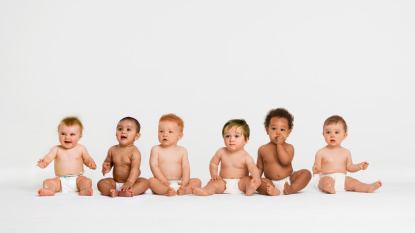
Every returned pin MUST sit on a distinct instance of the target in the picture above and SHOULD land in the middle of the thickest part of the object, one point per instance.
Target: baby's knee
(144, 182)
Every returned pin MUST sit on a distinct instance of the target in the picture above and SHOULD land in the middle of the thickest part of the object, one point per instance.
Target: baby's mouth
(67, 141)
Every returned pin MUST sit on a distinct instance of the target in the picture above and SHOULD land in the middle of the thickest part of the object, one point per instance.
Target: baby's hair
(237, 123)
(174, 118)
(282, 113)
(334, 120)
(137, 124)
(70, 121)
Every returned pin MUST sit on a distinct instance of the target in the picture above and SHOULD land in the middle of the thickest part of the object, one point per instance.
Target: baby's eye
(328, 132)
(119, 129)
(227, 136)
(72, 134)
(236, 136)
(337, 132)
(170, 131)
(161, 131)
(128, 129)
(274, 129)
(282, 130)
(62, 133)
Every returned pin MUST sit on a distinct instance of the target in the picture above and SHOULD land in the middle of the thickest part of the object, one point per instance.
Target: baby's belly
(277, 173)
(233, 173)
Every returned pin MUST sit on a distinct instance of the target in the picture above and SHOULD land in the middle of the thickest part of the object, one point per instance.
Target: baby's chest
(235, 162)
(122, 159)
(330, 159)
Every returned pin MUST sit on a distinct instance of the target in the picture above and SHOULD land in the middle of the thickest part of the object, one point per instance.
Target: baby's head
(70, 131)
(170, 129)
(128, 130)
(280, 113)
(236, 134)
(334, 130)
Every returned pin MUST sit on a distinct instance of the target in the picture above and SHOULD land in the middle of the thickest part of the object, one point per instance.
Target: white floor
(388, 209)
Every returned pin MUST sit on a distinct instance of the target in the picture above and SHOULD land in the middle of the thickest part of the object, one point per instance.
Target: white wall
(208, 62)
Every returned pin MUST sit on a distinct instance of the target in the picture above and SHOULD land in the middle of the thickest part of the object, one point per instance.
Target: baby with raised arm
(169, 162)
(70, 158)
(275, 157)
(126, 159)
(333, 161)
(236, 164)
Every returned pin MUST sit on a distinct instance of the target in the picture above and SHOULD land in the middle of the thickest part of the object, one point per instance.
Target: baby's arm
(260, 163)
(350, 167)
(88, 161)
(317, 163)
(107, 164)
(48, 158)
(285, 153)
(213, 166)
(185, 170)
(154, 166)
(256, 176)
(134, 171)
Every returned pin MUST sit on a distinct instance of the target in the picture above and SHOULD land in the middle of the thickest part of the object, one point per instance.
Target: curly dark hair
(137, 124)
(279, 112)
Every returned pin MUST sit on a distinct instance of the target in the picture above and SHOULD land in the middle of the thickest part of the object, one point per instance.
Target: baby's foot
(113, 193)
(199, 192)
(171, 192)
(184, 191)
(287, 188)
(328, 188)
(86, 192)
(374, 186)
(45, 192)
(271, 190)
(128, 193)
(252, 186)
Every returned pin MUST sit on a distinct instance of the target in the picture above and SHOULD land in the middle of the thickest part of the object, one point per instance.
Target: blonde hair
(174, 118)
(70, 121)
(237, 123)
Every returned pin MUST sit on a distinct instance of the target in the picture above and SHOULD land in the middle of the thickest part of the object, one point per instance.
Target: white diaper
(118, 186)
(339, 180)
(175, 184)
(232, 186)
(279, 184)
(68, 184)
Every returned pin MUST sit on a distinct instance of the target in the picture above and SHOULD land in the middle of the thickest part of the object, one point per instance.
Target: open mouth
(67, 141)
(332, 140)
(123, 137)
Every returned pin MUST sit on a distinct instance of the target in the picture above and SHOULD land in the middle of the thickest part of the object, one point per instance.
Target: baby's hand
(257, 181)
(280, 139)
(127, 186)
(165, 182)
(92, 165)
(216, 177)
(364, 165)
(316, 169)
(106, 167)
(41, 163)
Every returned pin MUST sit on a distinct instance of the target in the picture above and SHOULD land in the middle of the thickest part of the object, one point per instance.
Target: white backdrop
(208, 62)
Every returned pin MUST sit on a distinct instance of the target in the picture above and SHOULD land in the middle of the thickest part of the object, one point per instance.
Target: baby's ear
(246, 141)
(345, 136)
(180, 135)
(137, 136)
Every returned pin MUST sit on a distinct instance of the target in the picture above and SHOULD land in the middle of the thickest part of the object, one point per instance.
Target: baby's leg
(299, 180)
(84, 185)
(352, 184)
(141, 185)
(107, 187)
(326, 184)
(213, 187)
(248, 185)
(159, 188)
(267, 188)
(193, 183)
(50, 186)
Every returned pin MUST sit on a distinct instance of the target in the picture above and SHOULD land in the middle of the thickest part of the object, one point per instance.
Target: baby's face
(69, 135)
(234, 138)
(334, 134)
(126, 132)
(169, 133)
(278, 127)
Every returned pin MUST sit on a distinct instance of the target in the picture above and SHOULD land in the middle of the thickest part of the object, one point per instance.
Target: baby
(274, 158)
(70, 158)
(236, 164)
(169, 162)
(333, 161)
(126, 159)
